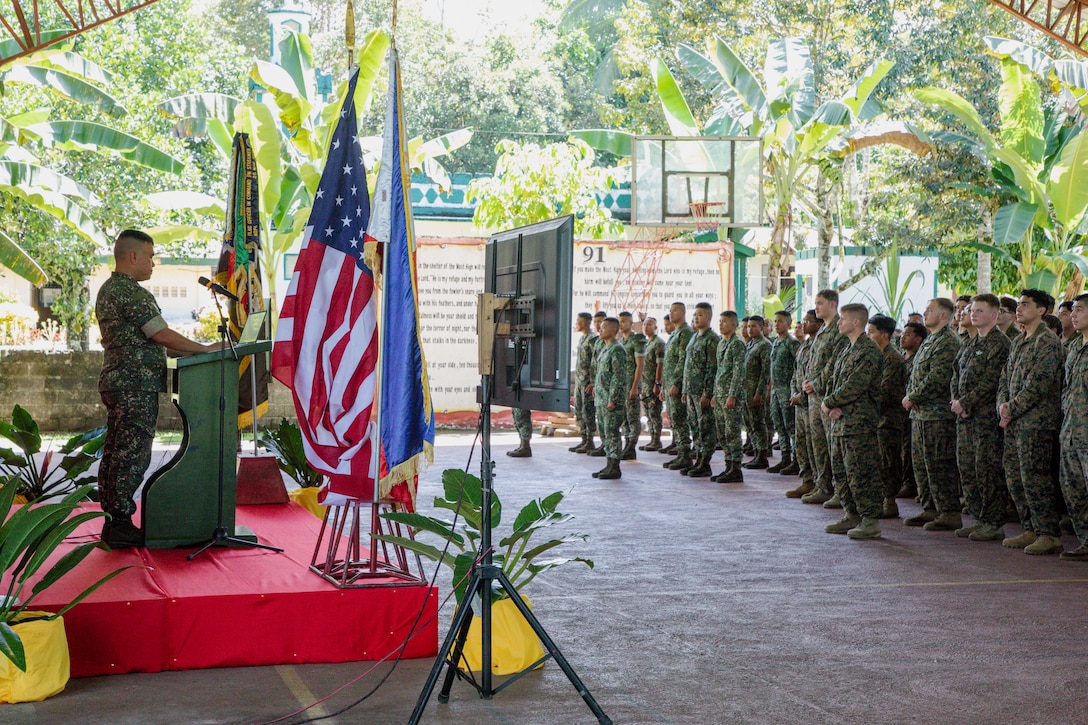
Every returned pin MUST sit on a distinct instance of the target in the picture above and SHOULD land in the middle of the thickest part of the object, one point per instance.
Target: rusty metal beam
(21, 22)
(1063, 20)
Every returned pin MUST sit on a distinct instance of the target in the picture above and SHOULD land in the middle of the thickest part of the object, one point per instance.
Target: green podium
(180, 502)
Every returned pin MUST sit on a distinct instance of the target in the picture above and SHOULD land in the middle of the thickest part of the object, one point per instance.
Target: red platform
(232, 607)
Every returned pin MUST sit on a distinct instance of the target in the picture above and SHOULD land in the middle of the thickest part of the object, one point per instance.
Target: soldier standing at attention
(827, 345)
(728, 400)
(673, 382)
(610, 396)
(757, 380)
(892, 420)
(584, 410)
(135, 339)
(909, 342)
(1074, 433)
(699, 368)
(976, 375)
(1029, 404)
(663, 391)
(650, 385)
(852, 404)
(783, 362)
(598, 344)
(803, 456)
(634, 345)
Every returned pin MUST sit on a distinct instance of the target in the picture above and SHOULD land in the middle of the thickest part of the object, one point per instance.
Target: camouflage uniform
(1031, 384)
(610, 386)
(584, 410)
(1074, 437)
(700, 366)
(672, 375)
(757, 374)
(729, 381)
(827, 345)
(893, 421)
(907, 456)
(523, 422)
(975, 377)
(854, 386)
(783, 362)
(634, 347)
(133, 375)
(933, 424)
(802, 451)
(653, 353)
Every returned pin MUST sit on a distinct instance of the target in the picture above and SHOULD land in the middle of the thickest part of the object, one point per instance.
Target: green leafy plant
(50, 477)
(28, 537)
(286, 443)
(519, 559)
(893, 292)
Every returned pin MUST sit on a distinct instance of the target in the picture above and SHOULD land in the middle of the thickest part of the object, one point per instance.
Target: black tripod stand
(221, 536)
(483, 575)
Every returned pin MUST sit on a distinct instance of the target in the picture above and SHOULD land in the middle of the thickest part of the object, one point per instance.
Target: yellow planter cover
(514, 644)
(47, 663)
(307, 499)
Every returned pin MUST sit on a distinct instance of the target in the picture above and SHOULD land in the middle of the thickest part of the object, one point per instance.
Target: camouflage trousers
(652, 405)
(1027, 460)
(1074, 479)
(908, 460)
(802, 451)
(782, 417)
(585, 412)
(727, 424)
(523, 422)
(755, 420)
(859, 487)
(933, 446)
(704, 438)
(126, 452)
(820, 444)
(632, 425)
(609, 423)
(678, 421)
(978, 456)
(890, 441)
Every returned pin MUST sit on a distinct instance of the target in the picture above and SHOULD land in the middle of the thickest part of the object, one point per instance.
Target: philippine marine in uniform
(650, 386)
(1074, 433)
(584, 410)
(634, 344)
(610, 396)
(826, 348)
(699, 368)
(673, 382)
(728, 400)
(783, 362)
(803, 456)
(757, 378)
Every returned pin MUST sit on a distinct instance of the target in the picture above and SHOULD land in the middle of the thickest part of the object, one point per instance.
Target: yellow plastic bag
(47, 664)
(307, 499)
(514, 644)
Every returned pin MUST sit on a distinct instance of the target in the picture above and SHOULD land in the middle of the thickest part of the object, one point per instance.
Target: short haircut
(945, 304)
(731, 315)
(1008, 304)
(963, 298)
(585, 316)
(757, 318)
(1040, 298)
(1066, 305)
(625, 313)
(1082, 298)
(914, 314)
(681, 305)
(665, 317)
(882, 323)
(613, 320)
(918, 328)
(1054, 324)
(987, 299)
(783, 313)
(600, 313)
(704, 306)
(811, 313)
(829, 294)
(745, 318)
(129, 241)
(651, 319)
(856, 311)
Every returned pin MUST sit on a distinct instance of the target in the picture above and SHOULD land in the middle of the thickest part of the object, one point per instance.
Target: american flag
(326, 346)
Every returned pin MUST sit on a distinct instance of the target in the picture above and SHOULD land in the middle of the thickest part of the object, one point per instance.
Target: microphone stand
(222, 537)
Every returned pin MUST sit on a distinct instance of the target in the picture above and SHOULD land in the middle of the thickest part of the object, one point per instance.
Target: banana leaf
(677, 112)
(90, 136)
(14, 258)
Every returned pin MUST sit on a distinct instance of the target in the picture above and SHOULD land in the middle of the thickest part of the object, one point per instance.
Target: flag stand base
(342, 560)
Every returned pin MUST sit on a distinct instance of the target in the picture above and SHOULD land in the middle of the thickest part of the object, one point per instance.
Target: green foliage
(286, 443)
(520, 560)
(893, 290)
(51, 477)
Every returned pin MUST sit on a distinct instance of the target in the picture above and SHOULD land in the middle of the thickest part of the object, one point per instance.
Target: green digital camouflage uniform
(908, 457)
(584, 410)
(802, 449)
(653, 353)
(757, 375)
(634, 346)
(976, 375)
(1031, 384)
(523, 422)
(700, 364)
(1074, 437)
(610, 386)
(783, 363)
(854, 386)
(672, 375)
(893, 421)
(827, 345)
(933, 424)
(729, 382)
(133, 375)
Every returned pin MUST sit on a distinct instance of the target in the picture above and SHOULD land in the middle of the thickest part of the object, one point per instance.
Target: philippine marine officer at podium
(135, 339)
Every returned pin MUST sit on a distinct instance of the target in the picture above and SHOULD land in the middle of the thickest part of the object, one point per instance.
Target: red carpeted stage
(232, 607)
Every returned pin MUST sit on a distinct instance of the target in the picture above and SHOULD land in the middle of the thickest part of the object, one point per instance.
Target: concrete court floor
(709, 604)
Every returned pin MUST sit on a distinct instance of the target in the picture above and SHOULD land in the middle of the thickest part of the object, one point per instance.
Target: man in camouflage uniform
(728, 399)
(673, 383)
(1074, 433)
(757, 381)
(523, 424)
(827, 345)
(803, 456)
(650, 385)
(892, 420)
(976, 375)
(783, 363)
(610, 389)
(909, 342)
(1006, 319)
(852, 405)
(933, 424)
(699, 367)
(1069, 335)
(634, 346)
(134, 340)
(598, 344)
(584, 410)
(1029, 406)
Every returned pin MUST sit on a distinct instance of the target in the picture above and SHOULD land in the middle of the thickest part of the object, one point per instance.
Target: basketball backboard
(721, 175)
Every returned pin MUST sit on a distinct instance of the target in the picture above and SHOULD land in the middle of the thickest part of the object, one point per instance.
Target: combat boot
(759, 461)
(816, 496)
(669, 450)
(891, 509)
(583, 446)
(867, 529)
(1019, 542)
(692, 463)
(987, 532)
(522, 451)
(921, 519)
(1078, 554)
(628, 453)
(121, 533)
(611, 471)
(1045, 544)
(787, 459)
(907, 490)
(597, 452)
(701, 468)
(802, 490)
(679, 463)
(653, 445)
(965, 532)
(833, 502)
(792, 469)
(843, 525)
(945, 522)
(672, 462)
(731, 474)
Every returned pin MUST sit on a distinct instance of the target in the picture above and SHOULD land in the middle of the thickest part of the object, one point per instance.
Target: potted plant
(50, 477)
(514, 644)
(34, 661)
(286, 443)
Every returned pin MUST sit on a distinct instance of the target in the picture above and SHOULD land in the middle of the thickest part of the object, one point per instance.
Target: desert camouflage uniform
(827, 345)
(893, 421)
(672, 375)
(634, 347)
(803, 448)
(584, 410)
(757, 374)
(1074, 437)
(933, 424)
(610, 386)
(654, 353)
(783, 362)
(729, 382)
(699, 368)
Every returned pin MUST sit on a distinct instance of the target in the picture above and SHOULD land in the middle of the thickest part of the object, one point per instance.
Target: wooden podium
(181, 499)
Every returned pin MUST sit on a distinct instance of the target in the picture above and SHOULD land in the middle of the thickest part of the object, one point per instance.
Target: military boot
(522, 451)
(1045, 544)
(1078, 554)
(987, 532)
(833, 502)
(1019, 542)
(945, 522)
(611, 471)
(669, 450)
(121, 533)
(758, 462)
(731, 474)
(628, 453)
(653, 445)
(692, 463)
(891, 509)
(803, 489)
(816, 496)
(787, 459)
(679, 463)
(868, 529)
(582, 447)
(792, 469)
(701, 468)
(843, 525)
(964, 532)
(907, 490)
(921, 519)
(597, 452)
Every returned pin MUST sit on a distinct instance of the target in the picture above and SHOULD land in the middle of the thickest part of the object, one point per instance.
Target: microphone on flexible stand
(217, 288)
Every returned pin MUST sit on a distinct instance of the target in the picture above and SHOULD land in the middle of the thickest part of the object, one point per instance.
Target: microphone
(218, 289)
